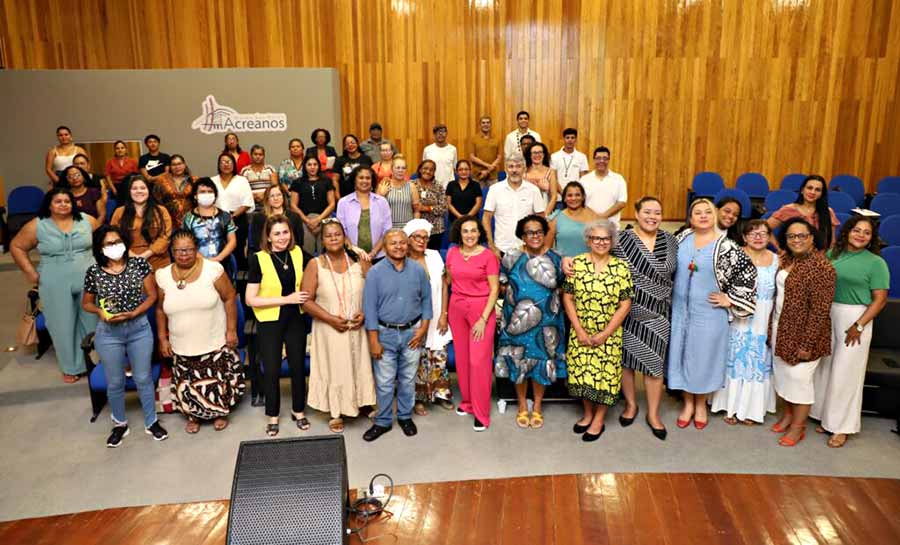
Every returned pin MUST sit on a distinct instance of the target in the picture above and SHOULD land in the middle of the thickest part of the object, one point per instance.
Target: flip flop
(336, 425)
(837, 440)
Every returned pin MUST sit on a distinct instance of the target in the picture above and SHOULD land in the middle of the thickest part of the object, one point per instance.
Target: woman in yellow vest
(273, 291)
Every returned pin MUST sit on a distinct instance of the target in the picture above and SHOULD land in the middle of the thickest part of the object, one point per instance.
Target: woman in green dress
(597, 298)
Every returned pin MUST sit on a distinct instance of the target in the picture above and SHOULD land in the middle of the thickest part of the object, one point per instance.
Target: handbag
(26, 334)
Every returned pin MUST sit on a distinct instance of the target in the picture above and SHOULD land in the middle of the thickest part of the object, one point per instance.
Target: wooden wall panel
(671, 86)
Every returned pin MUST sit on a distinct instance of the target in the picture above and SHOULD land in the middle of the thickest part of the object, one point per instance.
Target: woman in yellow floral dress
(597, 298)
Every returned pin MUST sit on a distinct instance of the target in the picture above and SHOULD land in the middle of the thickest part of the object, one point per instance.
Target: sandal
(71, 379)
(445, 404)
(272, 429)
(522, 419)
(837, 440)
(537, 420)
(420, 410)
(820, 429)
(302, 422)
(192, 426)
(336, 425)
(730, 420)
(220, 423)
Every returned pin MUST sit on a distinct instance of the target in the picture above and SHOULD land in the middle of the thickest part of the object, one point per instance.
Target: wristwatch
(859, 328)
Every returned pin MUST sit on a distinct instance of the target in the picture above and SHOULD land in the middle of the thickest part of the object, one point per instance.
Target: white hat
(417, 224)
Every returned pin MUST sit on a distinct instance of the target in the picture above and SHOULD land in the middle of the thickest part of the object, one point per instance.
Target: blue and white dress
(749, 393)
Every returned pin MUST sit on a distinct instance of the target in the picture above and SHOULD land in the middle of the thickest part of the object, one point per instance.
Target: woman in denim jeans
(121, 289)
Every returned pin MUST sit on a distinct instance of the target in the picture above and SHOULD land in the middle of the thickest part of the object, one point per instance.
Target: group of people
(353, 245)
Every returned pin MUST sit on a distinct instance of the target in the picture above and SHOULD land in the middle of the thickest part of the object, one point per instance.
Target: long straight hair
(823, 213)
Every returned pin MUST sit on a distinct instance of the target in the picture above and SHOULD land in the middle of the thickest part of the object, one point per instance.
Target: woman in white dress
(748, 393)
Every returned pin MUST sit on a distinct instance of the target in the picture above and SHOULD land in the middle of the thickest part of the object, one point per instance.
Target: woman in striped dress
(401, 194)
(652, 255)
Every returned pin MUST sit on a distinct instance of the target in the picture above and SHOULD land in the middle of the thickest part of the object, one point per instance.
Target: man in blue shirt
(397, 306)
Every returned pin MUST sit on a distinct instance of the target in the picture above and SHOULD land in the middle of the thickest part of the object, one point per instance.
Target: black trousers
(434, 241)
(290, 332)
(240, 252)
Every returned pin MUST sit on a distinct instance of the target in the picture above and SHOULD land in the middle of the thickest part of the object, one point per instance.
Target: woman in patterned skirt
(597, 297)
(651, 254)
(195, 295)
(531, 344)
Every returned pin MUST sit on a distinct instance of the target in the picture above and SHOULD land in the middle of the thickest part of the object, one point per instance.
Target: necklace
(284, 264)
(342, 291)
(181, 282)
(466, 256)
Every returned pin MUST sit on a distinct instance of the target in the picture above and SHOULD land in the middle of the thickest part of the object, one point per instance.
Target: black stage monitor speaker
(290, 492)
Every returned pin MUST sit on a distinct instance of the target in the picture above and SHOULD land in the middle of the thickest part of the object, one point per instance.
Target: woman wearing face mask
(861, 291)
(352, 158)
(275, 203)
(800, 325)
(714, 278)
(312, 198)
(233, 150)
(62, 236)
(216, 234)
(651, 254)
(120, 289)
(174, 189)
(147, 223)
(119, 167)
(236, 198)
(291, 169)
(432, 202)
(811, 205)
(401, 194)
(566, 233)
(728, 218)
(273, 291)
(90, 200)
(748, 394)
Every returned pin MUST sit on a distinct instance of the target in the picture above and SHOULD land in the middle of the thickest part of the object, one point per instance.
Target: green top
(858, 273)
(364, 239)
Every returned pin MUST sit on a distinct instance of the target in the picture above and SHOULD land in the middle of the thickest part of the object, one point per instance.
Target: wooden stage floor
(563, 509)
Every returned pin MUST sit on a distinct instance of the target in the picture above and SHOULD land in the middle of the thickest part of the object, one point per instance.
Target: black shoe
(659, 434)
(625, 422)
(579, 429)
(259, 400)
(408, 427)
(478, 426)
(460, 412)
(118, 433)
(589, 437)
(158, 432)
(375, 432)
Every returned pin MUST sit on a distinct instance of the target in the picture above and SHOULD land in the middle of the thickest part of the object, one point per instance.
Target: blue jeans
(400, 363)
(120, 345)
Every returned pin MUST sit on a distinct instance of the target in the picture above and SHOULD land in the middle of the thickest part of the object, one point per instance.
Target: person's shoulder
(140, 264)
(213, 268)
(589, 177)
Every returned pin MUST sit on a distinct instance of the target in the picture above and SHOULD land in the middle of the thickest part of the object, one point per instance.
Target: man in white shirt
(507, 202)
(511, 145)
(569, 163)
(605, 191)
(443, 154)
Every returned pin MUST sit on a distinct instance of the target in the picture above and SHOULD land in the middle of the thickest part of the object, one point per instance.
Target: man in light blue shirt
(397, 305)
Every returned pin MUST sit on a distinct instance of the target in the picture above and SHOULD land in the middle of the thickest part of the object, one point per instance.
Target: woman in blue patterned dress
(749, 394)
(531, 344)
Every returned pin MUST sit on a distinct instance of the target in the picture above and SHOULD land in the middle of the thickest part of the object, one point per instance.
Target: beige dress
(340, 378)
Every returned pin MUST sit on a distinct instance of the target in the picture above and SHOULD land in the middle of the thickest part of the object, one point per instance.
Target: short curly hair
(782, 234)
(456, 230)
(520, 226)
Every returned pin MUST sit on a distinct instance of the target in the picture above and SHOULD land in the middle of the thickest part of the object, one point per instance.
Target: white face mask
(206, 199)
(114, 252)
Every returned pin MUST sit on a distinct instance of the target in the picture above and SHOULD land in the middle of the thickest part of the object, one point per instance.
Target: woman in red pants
(474, 272)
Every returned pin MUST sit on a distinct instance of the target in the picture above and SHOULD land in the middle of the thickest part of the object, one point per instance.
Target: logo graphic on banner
(217, 118)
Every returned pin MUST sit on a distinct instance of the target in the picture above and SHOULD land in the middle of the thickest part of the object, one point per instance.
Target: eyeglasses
(758, 234)
(183, 251)
(537, 233)
(420, 238)
(600, 240)
(798, 236)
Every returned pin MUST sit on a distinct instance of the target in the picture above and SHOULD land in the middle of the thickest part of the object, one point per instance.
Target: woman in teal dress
(531, 344)
(566, 233)
(62, 236)
(597, 298)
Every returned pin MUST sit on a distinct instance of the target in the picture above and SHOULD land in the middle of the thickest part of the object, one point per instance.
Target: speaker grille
(289, 492)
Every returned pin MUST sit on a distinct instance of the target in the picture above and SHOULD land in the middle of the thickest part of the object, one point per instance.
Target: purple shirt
(349, 208)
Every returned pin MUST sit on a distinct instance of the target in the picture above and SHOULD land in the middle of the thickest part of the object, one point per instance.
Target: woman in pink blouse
(474, 272)
(811, 205)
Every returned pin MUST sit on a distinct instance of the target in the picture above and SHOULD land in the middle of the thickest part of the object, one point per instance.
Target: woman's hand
(231, 339)
(583, 338)
(165, 348)
(852, 336)
(357, 320)
(478, 329)
(314, 223)
(803, 355)
(443, 324)
(598, 339)
(297, 298)
(33, 277)
(718, 299)
(568, 266)
(339, 323)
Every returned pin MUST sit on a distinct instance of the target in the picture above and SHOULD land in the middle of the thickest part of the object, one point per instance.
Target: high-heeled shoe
(776, 428)
(786, 441)
(659, 434)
